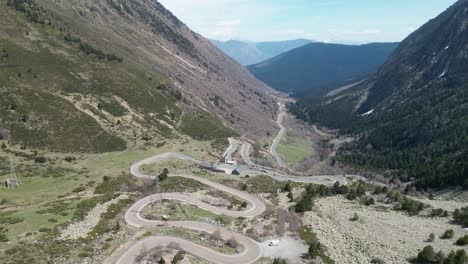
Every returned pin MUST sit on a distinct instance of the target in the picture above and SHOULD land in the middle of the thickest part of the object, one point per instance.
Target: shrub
(428, 255)
(462, 241)
(411, 207)
(431, 237)
(458, 257)
(377, 261)
(83, 255)
(40, 159)
(355, 217)
(287, 187)
(3, 238)
(448, 234)
(232, 242)
(106, 246)
(244, 187)
(304, 205)
(69, 159)
(460, 216)
(162, 177)
(79, 189)
(439, 212)
(315, 249)
(44, 229)
(178, 257)
(244, 204)
(369, 201)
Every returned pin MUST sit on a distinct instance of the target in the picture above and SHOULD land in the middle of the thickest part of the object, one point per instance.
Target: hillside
(248, 53)
(79, 76)
(318, 66)
(411, 117)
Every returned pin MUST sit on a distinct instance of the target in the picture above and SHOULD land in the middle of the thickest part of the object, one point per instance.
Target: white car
(273, 243)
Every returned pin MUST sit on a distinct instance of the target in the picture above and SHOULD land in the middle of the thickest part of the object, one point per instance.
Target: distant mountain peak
(248, 53)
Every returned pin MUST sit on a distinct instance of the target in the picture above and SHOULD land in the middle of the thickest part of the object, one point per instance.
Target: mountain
(317, 66)
(80, 76)
(247, 53)
(410, 118)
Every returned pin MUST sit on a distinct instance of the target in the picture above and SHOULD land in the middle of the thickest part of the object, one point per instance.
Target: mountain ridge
(132, 65)
(409, 118)
(248, 53)
(318, 66)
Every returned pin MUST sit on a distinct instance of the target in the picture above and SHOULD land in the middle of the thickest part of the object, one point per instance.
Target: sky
(341, 21)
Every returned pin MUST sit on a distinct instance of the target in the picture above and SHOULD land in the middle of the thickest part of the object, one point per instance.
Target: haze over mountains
(247, 53)
(411, 116)
(112, 71)
(316, 67)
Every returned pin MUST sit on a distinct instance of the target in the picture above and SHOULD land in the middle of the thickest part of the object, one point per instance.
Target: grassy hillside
(63, 93)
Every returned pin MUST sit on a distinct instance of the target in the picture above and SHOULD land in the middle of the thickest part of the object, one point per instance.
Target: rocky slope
(92, 76)
(411, 116)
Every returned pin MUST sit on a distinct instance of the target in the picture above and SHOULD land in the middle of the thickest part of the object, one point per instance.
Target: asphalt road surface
(251, 252)
(278, 137)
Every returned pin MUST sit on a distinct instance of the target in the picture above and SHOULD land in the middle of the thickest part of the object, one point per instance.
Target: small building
(231, 162)
(226, 160)
(226, 168)
(239, 170)
(209, 166)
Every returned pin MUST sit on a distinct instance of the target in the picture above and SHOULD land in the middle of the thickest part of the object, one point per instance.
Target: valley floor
(73, 206)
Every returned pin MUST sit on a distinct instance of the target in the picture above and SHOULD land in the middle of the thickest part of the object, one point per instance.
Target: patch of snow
(368, 113)
(443, 74)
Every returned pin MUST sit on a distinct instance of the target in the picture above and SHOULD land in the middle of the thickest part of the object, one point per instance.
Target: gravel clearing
(81, 229)
(288, 248)
(389, 235)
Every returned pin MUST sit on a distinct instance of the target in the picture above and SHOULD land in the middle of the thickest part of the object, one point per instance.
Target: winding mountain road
(277, 139)
(251, 250)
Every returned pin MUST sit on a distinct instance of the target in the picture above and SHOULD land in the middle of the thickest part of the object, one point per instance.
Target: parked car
(273, 243)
